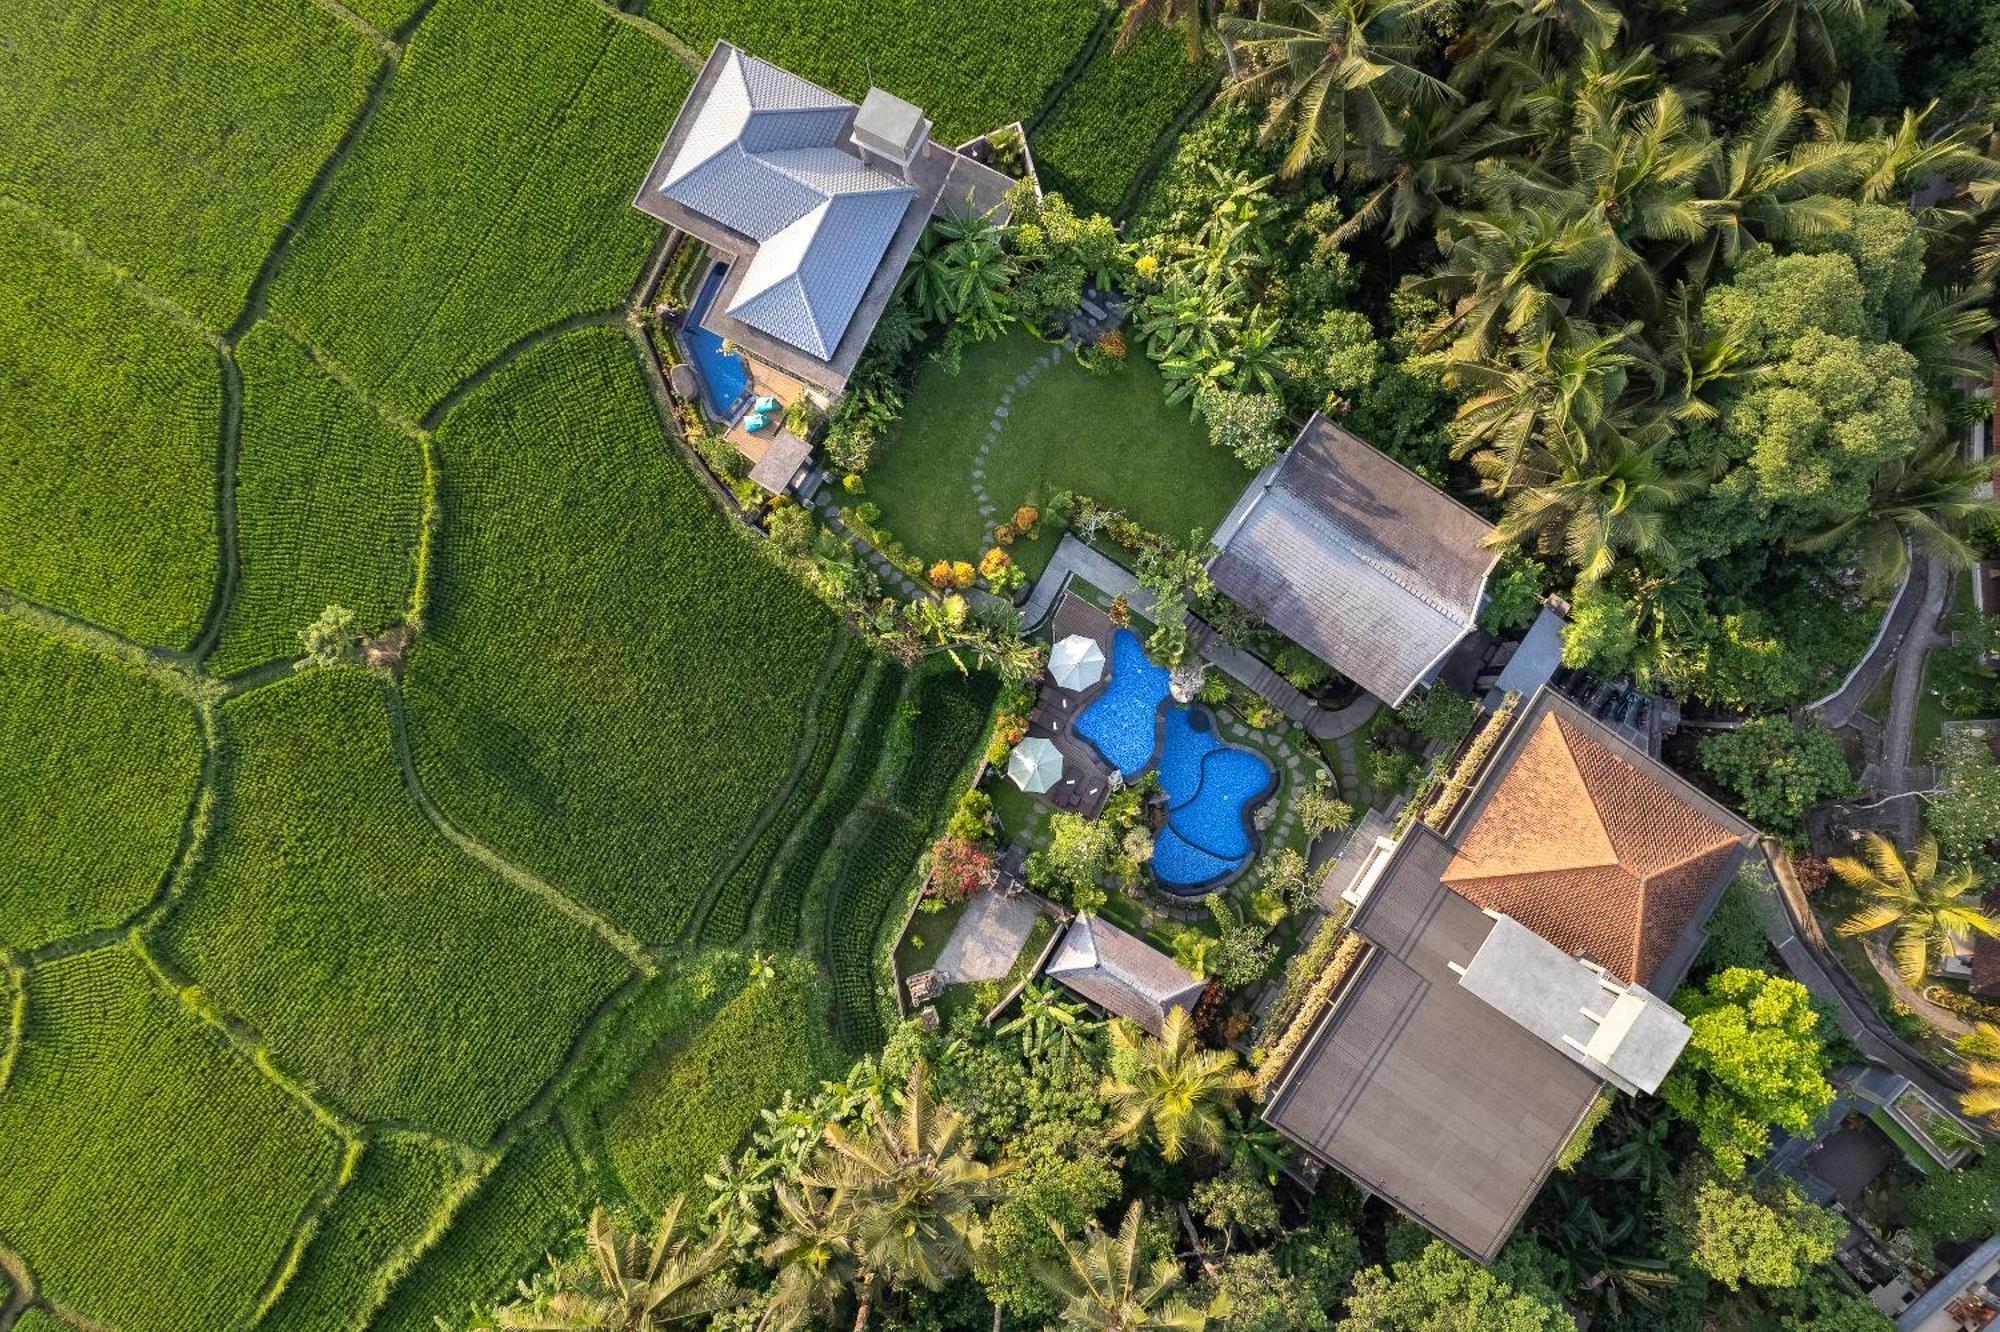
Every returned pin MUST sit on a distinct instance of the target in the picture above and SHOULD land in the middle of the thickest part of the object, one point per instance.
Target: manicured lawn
(1112, 436)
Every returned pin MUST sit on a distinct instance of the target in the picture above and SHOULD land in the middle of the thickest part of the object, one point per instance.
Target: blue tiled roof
(765, 157)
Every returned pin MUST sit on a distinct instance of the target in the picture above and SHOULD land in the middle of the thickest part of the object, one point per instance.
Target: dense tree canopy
(1755, 1059)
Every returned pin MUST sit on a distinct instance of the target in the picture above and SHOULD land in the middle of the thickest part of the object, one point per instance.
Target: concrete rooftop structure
(1121, 973)
(814, 204)
(1460, 1053)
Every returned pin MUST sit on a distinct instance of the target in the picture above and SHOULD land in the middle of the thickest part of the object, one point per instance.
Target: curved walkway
(1838, 708)
(1795, 933)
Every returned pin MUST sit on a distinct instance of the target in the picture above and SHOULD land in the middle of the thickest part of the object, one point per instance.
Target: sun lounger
(766, 404)
(755, 421)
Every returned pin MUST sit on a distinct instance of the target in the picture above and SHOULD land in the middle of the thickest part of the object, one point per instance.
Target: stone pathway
(1843, 704)
(988, 510)
(1923, 635)
(892, 577)
(988, 937)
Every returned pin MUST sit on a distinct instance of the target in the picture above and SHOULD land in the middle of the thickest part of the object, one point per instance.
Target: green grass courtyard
(1110, 435)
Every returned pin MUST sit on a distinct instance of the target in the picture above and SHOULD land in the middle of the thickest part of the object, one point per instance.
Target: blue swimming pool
(1119, 722)
(725, 378)
(1211, 786)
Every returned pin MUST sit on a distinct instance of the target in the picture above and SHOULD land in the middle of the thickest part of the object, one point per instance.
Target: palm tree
(628, 1283)
(1783, 34)
(814, 1260)
(1514, 273)
(1593, 504)
(1104, 1284)
(1336, 73)
(961, 273)
(1928, 499)
(903, 1194)
(1894, 163)
(1597, 1259)
(1534, 31)
(1254, 1145)
(1195, 19)
(1926, 909)
(1174, 1087)
(1441, 144)
(1642, 1156)
(1773, 183)
(1558, 391)
(1691, 360)
(1945, 328)
(1631, 170)
(1981, 1045)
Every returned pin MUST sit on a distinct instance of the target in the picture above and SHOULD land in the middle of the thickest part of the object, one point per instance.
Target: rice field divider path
(641, 959)
(802, 753)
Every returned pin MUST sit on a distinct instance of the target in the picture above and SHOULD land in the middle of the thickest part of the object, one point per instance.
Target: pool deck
(764, 381)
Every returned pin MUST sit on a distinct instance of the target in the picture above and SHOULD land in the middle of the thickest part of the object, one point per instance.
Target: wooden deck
(764, 381)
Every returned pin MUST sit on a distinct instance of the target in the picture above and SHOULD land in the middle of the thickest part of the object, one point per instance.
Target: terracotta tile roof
(1591, 853)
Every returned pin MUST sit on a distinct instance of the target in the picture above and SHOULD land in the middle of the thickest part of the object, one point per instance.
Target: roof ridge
(1568, 740)
(1315, 516)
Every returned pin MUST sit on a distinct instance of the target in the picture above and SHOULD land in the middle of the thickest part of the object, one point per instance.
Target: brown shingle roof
(1596, 856)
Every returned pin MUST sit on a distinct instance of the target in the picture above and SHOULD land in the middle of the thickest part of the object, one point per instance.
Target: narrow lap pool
(725, 379)
(1211, 786)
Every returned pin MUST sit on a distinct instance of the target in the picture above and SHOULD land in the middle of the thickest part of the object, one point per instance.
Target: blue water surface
(725, 378)
(1119, 722)
(1210, 786)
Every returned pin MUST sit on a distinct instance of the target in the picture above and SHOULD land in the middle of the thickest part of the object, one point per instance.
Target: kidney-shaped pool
(1211, 786)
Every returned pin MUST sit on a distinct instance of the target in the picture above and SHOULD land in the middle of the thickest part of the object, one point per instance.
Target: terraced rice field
(331, 997)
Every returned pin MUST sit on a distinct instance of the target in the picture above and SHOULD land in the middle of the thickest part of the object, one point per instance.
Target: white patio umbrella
(1077, 662)
(1035, 764)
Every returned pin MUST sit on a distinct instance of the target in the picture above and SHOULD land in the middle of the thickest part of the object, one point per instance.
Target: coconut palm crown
(1924, 907)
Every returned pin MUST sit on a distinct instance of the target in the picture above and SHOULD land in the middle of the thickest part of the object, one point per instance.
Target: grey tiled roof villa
(1345, 551)
(815, 203)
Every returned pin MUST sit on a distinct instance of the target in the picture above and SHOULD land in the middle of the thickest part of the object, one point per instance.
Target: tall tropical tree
(1592, 504)
(1925, 907)
(1336, 74)
(1441, 145)
(1507, 31)
(1105, 1284)
(1927, 499)
(813, 1258)
(1513, 273)
(1981, 1047)
(1778, 180)
(1630, 170)
(1174, 1088)
(1892, 164)
(961, 274)
(1691, 361)
(1556, 391)
(1600, 1262)
(1194, 19)
(1779, 36)
(903, 1195)
(628, 1282)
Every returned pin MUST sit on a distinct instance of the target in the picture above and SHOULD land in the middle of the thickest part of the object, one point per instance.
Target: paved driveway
(988, 938)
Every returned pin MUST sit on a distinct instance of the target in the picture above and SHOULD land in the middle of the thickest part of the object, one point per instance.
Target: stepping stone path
(988, 508)
(904, 586)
